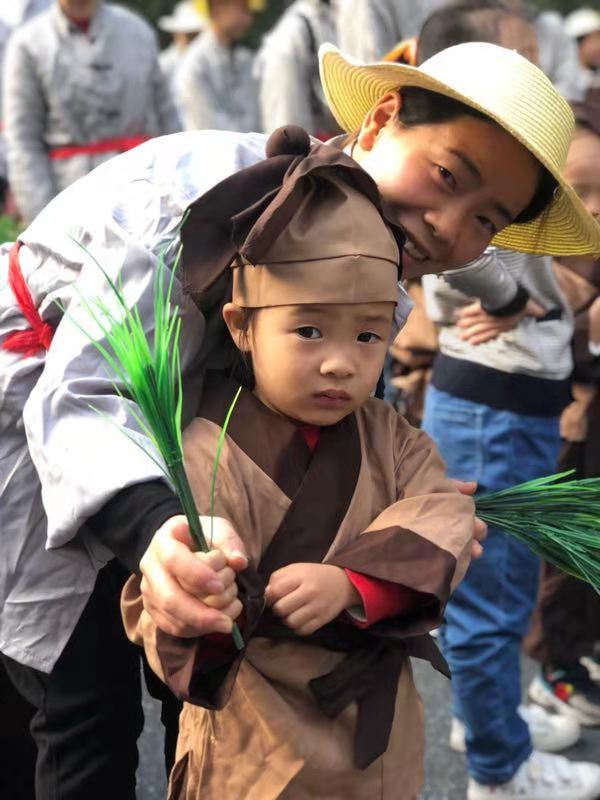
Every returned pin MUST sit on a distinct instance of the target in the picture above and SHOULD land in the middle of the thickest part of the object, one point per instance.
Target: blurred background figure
(216, 85)
(367, 29)
(288, 69)
(15, 12)
(183, 25)
(584, 26)
(82, 83)
(565, 635)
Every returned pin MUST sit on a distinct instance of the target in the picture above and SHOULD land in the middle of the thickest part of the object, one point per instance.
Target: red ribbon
(120, 144)
(40, 333)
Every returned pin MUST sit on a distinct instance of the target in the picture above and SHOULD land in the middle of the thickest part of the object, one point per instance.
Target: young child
(344, 510)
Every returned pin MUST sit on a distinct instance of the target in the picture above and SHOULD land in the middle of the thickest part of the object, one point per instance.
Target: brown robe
(373, 497)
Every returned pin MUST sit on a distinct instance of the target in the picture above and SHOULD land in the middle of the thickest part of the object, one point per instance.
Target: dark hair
(461, 22)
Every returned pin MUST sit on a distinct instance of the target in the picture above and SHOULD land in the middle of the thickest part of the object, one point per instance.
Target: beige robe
(373, 497)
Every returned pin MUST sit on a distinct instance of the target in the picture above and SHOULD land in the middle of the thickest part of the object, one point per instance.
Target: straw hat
(582, 22)
(485, 77)
(256, 6)
(184, 19)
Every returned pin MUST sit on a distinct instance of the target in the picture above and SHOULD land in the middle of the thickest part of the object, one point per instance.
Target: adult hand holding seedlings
(191, 593)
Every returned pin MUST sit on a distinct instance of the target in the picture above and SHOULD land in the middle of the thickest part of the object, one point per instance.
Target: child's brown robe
(373, 497)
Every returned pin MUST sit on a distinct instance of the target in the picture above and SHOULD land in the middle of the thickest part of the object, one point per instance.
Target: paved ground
(444, 769)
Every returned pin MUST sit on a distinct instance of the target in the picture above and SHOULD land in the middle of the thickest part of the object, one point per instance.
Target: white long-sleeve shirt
(66, 87)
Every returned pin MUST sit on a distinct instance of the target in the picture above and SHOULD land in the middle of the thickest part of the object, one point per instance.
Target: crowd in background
(504, 379)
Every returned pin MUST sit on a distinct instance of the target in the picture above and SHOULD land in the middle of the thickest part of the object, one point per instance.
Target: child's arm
(423, 541)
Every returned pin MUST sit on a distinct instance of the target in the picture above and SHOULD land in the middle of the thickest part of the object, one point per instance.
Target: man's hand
(189, 593)
(480, 528)
(477, 326)
(308, 596)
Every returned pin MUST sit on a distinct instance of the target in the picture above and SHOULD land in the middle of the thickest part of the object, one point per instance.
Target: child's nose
(339, 365)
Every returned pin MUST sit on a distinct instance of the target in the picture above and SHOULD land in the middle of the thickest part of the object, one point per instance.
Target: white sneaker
(544, 777)
(549, 733)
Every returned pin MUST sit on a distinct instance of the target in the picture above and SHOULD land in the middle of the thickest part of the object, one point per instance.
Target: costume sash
(39, 334)
(119, 144)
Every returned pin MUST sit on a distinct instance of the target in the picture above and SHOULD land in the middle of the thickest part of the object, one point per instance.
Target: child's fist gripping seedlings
(308, 596)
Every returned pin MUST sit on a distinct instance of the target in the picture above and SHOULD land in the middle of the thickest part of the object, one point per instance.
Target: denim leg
(490, 611)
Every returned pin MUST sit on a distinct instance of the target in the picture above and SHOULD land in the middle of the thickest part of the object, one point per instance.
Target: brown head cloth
(307, 207)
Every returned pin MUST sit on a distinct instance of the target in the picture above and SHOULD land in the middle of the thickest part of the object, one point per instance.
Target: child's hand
(309, 596)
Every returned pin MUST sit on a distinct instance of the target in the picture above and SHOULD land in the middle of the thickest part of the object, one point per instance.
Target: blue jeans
(490, 611)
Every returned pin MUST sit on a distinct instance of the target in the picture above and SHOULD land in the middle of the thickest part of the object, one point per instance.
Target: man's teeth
(414, 252)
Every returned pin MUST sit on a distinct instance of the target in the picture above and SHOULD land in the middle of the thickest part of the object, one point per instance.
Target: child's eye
(309, 332)
(447, 176)
(368, 337)
(488, 225)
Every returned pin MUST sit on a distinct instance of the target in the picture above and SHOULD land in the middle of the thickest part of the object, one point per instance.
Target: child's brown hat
(303, 226)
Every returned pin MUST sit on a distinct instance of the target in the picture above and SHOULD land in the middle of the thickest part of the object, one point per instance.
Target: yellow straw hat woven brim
(505, 87)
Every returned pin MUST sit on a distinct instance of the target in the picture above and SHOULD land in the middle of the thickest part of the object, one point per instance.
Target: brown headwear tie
(244, 215)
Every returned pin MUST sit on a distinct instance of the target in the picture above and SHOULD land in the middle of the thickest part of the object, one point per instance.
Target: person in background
(367, 29)
(584, 26)
(288, 69)
(498, 386)
(81, 83)
(216, 86)
(4, 35)
(184, 24)
(16, 12)
(566, 624)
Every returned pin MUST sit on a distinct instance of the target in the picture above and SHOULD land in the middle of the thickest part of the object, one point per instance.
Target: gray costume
(288, 68)
(63, 87)
(217, 88)
(126, 213)
(559, 57)
(368, 29)
(4, 34)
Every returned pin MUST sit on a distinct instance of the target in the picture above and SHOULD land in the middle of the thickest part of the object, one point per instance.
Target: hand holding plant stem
(151, 378)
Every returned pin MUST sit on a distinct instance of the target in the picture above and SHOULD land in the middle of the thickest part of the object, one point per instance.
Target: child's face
(583, 168)
(317, 364)
(451, 186)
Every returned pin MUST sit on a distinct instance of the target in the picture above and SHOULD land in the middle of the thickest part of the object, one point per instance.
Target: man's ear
(383, 113)
(235, 319)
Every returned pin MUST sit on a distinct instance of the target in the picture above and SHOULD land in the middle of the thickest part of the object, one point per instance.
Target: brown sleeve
(199, 670)
(423, 540)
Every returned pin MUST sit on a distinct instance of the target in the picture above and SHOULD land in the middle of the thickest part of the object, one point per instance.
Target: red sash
(39, 334)
(119, 144)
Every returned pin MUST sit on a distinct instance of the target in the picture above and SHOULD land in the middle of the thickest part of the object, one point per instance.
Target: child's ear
(235, 319)
(385, 111)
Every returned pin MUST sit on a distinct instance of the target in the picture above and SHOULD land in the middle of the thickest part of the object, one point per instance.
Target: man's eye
(309, 332)
(368, 337)
(447, 176)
